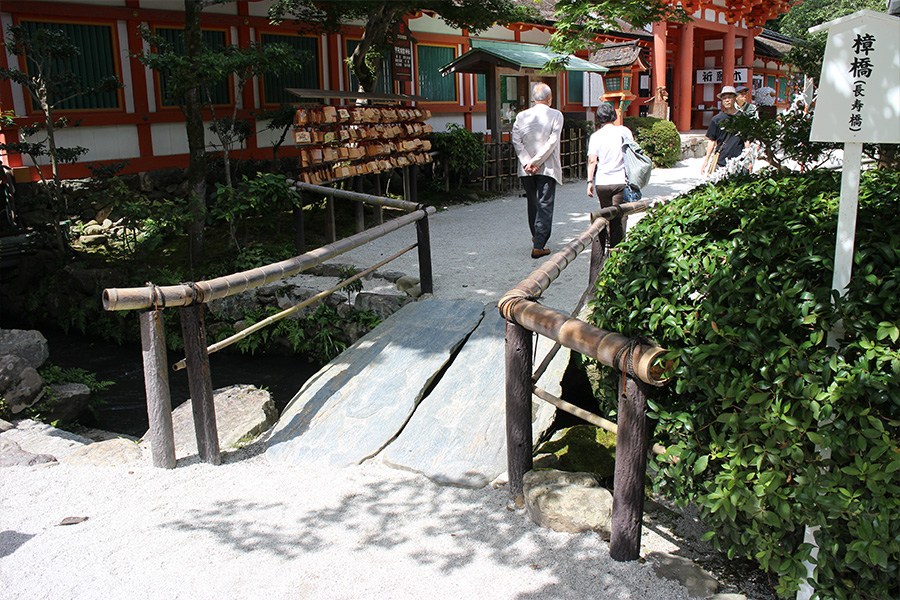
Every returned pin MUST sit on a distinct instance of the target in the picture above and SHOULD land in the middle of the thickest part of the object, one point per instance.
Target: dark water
(124, 406)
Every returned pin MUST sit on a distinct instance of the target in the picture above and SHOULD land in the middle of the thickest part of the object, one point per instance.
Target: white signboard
(715, 76)
(859, 89)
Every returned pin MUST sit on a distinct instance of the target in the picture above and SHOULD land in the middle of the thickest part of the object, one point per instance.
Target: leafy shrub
(784, 140)
(266, 195)
(659, 139)
(735, 280)
(464, 150)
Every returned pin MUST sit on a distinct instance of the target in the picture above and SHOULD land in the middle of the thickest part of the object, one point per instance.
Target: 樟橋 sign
(859, 88)
(858, 101)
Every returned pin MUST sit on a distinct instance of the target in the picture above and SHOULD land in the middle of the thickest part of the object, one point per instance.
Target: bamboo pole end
(649, 369)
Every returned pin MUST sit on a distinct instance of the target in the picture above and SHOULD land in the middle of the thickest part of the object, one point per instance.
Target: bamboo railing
(639, 364)
(151, 300)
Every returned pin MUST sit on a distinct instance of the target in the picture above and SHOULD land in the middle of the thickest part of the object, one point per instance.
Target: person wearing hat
(742, 103)
(723, 144)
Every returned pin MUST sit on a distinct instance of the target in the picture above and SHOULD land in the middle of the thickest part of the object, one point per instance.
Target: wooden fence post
(379, 210)
(519, 460)
(330, 227)
(299, 231)
(426, 276)
(631, 467)
(200, 383)
(156, 386)
(360, 208)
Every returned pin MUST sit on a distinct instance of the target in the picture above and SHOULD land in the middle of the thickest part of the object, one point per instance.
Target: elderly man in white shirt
(535, 136)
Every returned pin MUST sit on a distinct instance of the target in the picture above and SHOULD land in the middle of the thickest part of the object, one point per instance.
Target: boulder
(242, 413)
(699, 583)
(93, 240)
(40, 438)
(65, 402)
(581, 448)
(108, 453)
(12, 455)
(29, 345)
(383, 305)
(570, 502)
(20, 384)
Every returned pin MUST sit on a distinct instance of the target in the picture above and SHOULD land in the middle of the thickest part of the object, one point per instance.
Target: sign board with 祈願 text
(401, 53)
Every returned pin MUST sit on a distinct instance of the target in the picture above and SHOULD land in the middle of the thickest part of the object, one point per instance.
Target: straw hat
(728, 89)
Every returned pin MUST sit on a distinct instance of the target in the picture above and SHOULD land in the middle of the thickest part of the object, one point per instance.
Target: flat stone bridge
(424, 391)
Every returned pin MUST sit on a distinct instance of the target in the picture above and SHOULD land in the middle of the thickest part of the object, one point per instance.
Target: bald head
(541, 93)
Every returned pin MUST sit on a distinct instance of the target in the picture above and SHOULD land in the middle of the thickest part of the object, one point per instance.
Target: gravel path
(248, 529)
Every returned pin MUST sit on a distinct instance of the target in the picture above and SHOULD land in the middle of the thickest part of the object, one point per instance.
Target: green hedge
(735, 280)
(659, 139)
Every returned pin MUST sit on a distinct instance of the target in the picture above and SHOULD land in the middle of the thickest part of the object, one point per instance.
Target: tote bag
(637, 164)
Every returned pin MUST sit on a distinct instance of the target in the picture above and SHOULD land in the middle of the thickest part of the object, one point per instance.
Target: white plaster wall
(260, 8)
(479, 122)
(497, 32)
(535, 36)
(115, 142)
(427, 24)
(171, 138)
(439, 122)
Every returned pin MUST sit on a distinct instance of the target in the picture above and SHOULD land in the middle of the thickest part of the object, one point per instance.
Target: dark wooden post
(519, 461)
(200, 383)
(359, 206)
(631, 467)
(156, 386)
(299, 231)
(330, 228)
(379, 210)
(414, 184)
(426, 277)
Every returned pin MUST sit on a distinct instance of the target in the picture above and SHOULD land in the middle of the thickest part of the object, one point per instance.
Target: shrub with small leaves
(773, 429)
(658, 138)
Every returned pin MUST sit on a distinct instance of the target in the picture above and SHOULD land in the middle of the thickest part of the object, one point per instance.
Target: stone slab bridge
(424, 391)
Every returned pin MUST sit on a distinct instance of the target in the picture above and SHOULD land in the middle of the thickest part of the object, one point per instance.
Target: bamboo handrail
(518, 305)
(358, 196)
(181, 364)
(186, 294)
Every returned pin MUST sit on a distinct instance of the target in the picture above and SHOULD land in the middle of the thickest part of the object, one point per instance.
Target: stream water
(122, 408)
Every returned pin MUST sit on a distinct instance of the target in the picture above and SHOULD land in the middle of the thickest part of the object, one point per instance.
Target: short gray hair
(541, 92)
(606, 113)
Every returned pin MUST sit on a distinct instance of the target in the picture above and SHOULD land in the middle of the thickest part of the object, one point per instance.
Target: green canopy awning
(516, 57)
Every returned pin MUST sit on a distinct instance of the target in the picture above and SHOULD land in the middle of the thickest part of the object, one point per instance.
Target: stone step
(361, 400)
(457, 435)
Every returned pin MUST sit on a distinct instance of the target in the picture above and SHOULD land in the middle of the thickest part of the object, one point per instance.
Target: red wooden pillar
(748, 55)
(728, 54)
(659, 57)
(685, 82)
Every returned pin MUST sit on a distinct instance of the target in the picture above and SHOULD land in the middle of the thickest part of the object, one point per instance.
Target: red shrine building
(724, 44)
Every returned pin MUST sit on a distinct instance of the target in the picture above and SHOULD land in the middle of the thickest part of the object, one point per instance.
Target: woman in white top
(606, 166)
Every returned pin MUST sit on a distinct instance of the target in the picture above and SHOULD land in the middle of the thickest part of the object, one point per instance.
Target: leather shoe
(539, 253)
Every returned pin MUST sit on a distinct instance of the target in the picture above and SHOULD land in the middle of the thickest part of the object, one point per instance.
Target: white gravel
(248, 529)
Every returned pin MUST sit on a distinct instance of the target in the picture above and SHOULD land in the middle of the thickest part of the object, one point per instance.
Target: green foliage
(50, 81)
(580, 23)
(809, 13)
(267, 195)
(318, 335)
(348, 271)
(784, 140)
(658, 138)
(735, 280)
(464, 150)
(52, 374)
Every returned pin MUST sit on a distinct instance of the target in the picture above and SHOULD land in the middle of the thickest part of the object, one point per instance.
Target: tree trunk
(379, 23)
(193, 111)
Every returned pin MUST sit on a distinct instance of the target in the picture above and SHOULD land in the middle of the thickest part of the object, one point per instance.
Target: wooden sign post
(858, 101)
